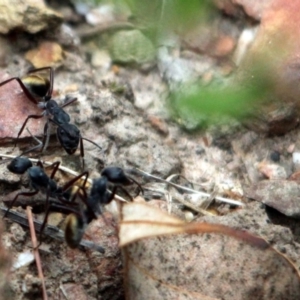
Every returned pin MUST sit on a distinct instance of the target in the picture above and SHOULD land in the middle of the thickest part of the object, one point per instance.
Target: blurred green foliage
(239, 98)
(169, 14)
(166, 15)
(157, 18)
(204, 105)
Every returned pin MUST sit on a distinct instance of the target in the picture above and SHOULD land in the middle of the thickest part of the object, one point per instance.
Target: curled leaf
(199, 260)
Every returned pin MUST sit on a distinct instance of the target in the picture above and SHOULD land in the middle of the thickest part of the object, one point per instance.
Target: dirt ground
(124, 109)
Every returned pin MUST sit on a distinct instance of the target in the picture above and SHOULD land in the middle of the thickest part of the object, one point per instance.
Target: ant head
(69, 137)
(19, 165)
(116, 175)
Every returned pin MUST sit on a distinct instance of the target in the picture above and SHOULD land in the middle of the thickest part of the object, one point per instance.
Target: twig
(96, 30)
(222, 199)
(63, 291)
(36, 251)
(192, 206)
(49, 230)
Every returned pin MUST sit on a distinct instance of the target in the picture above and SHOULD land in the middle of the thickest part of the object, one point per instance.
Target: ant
(99, 195)
(39, 181)
(37, 87)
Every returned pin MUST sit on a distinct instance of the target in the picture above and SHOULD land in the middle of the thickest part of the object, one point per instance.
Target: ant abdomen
(74, 230)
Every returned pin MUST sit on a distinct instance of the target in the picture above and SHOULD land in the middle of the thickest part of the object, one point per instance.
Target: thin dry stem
(36, 251)
(222, 199)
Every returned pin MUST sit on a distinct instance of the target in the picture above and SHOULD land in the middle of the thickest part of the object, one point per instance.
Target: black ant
(38, 90)
(37, 87)
(99, 195)
(40, 182)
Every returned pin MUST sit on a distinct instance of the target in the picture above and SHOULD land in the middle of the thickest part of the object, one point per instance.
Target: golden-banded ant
(98, 196)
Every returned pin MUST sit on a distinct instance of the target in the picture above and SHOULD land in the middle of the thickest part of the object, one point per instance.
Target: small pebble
(275, 156)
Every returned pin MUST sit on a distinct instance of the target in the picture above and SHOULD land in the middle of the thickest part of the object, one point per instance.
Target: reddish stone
(275, 54)
(14, 109)
(223, 46)
(209, 40)
(277, 46)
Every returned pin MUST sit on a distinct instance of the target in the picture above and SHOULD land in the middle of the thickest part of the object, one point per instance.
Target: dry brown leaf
(219, 263)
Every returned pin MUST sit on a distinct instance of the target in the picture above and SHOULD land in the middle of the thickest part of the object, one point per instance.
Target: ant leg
(46, 136)
(82, 187)
(125, 192)
(24, 124)
(40, 164)
(43, 226)
(108, 198)
(23, 87)
(71, 182)
(47, 210)
(16, 197)
(54, 207)
(82, 152)
(112, 195)
(95, 144)
(139, 186)
(55, 167)
(83, 197)
(49, 93)
(38, 146)
(40, 69)
(82, 148)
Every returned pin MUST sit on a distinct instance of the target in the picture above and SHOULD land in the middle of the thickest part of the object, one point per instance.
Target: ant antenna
(95, 144)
